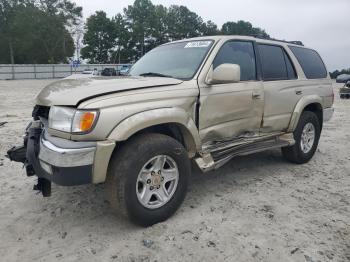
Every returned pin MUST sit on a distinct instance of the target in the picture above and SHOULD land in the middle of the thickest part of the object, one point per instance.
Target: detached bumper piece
(17, 154)
(69, 166)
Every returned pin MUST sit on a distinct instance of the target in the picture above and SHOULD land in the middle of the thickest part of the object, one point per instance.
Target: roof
(242, 37)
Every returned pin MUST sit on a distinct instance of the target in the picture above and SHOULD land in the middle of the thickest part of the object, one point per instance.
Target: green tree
(34, 31)
(57, 44)
(210, 28)
(100, 38)
(66, 10)
(159, 27)
(39, 37)
(242, 28)
(140, 22)
(122, 52)
(183, 23)
(8, 9)
(143, 26)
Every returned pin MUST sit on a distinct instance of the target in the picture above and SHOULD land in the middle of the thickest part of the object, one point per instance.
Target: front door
(230, 111)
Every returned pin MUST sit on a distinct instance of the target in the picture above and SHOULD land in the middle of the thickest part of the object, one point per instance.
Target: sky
(320, 24)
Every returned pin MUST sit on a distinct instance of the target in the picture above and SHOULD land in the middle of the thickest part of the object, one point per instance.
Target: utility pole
(78, 47)
(11, 52)
(12, 59)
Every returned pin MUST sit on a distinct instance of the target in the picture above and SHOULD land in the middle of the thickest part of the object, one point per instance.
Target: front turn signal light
(84, 121)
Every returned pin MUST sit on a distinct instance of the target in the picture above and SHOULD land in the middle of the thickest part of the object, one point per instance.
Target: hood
(72, 91)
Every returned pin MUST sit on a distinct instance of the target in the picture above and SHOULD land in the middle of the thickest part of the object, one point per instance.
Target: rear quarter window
(310, 61)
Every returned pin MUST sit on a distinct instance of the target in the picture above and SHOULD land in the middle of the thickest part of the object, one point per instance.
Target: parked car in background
(109, 71)
(345, 91)
(87, 71)
(124, 69)
(205, 99)
(344, 78)
(90, 71)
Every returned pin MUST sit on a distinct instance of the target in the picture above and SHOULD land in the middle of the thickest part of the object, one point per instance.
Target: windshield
(178, 60)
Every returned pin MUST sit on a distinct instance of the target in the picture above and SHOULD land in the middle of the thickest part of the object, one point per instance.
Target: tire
(298, 153)
(125, 186)
(342, 96)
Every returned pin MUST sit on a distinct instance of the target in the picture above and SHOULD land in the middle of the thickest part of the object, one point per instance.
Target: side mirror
(225, 73)
(348, 84)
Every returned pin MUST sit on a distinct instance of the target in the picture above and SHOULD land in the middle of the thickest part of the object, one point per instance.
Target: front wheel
(306, 135)
(148, 178)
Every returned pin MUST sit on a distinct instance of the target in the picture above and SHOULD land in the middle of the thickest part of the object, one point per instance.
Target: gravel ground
(256, 208)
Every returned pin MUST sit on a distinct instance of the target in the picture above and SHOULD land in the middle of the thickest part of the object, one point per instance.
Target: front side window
(310, 62)
(240, 53)
(177, 60)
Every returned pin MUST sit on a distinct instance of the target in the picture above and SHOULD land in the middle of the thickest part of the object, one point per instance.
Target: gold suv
(208, 99)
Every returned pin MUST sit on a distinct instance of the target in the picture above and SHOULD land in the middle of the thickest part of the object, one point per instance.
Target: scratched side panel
(281, 99)
(228, 111)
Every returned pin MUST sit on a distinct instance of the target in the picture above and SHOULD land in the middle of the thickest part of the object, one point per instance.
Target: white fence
(45, 71)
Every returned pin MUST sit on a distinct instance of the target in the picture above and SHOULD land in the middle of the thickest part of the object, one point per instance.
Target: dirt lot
(256, 208)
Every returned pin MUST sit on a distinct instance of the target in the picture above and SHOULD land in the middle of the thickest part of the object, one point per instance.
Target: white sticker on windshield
(198, 44)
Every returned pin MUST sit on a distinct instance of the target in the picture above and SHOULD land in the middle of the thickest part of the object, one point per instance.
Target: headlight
(72, 120)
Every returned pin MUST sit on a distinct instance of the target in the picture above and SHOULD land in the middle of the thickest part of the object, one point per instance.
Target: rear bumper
(327, 114)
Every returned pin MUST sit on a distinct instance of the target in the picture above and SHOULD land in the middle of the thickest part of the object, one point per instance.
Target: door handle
(256, 95)
(298, 92)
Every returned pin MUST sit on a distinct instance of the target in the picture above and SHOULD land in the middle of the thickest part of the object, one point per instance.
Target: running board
(219, 156)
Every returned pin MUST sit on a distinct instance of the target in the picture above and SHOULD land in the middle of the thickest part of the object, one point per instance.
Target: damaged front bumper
(65, 166)
(61, 161)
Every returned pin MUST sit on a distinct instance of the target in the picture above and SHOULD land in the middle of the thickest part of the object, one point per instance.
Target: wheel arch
(174, 122)
(317, 109)
(308, 103)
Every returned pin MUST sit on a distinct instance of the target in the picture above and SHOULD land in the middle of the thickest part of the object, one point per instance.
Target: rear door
(281, 90)
(317, 80)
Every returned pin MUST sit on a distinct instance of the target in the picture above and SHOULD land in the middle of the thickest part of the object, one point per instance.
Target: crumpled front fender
(145, 119)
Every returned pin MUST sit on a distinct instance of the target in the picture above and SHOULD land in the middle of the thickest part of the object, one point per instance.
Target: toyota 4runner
(205, 99)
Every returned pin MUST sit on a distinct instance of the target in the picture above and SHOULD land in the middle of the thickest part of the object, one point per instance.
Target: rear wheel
(306, 135)
(148, 177)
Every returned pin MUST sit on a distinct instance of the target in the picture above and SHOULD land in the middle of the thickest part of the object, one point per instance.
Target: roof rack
(278, 40)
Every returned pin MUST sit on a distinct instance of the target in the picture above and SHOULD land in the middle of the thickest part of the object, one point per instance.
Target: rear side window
(276, 64)
(240, 53)
(310, 62)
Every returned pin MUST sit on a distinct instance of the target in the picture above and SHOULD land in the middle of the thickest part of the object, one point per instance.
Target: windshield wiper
(155, 74)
